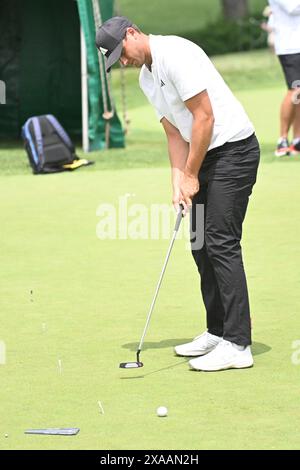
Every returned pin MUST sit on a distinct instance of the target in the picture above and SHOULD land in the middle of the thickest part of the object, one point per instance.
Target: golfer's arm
(203, 123)
(178, 151)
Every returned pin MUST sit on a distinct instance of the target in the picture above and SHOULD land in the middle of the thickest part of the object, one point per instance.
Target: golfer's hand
(189, 187)
(177, 200)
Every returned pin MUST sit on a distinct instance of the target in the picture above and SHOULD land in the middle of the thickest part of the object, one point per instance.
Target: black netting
(40, 62)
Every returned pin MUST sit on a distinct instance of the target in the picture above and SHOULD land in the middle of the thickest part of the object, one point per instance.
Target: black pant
(226, 178)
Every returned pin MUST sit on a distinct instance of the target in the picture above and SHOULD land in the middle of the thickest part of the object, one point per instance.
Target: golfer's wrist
(191, 172)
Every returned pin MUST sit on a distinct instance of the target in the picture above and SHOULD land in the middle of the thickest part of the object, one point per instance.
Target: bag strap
(38, 138)
(27, 137)
(60, 131)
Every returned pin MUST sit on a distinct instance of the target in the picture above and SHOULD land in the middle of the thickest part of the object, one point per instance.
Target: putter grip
(179, 217)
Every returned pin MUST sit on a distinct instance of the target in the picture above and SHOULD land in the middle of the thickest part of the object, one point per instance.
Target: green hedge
(223, 36)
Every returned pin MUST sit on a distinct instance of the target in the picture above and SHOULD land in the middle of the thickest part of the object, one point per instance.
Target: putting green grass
(90, 298)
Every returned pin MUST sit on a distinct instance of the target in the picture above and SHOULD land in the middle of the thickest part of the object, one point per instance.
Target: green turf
(183, 16)
(91, 297)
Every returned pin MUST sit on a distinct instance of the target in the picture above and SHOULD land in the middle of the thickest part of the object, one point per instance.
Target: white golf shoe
(225, 356)
(200, 345)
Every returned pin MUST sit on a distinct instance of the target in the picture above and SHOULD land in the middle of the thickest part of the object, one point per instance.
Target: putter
(138, 363)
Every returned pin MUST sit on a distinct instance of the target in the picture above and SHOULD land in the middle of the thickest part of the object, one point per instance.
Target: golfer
(286, 27)
(214, 156)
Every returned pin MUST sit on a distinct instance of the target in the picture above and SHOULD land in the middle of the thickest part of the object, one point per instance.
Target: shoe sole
(195, 354)
(246, 365)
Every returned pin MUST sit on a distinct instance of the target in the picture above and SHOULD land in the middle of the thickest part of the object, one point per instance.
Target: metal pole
(84, 94)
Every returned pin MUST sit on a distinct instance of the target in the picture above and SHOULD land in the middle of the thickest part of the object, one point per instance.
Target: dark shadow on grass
(259, 348)
(156, 345)
(131, 378)
(155, 371)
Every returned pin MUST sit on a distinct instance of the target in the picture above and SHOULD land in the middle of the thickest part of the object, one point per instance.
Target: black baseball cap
(109, 39)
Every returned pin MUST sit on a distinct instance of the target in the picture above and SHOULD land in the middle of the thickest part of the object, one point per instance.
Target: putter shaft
(138, 363)
(178, 221)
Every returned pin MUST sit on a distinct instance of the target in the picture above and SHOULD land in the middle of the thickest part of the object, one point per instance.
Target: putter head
(131, 365)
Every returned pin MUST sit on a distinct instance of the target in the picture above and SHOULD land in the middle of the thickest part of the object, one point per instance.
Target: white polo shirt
(181, 70)
(286, 26)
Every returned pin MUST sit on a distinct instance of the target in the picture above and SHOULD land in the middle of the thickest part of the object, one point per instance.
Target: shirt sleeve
(186, 70)
(159, 114)
(292, 7)
(271, 23)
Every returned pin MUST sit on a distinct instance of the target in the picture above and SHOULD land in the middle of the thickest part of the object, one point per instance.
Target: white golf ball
(162, 411)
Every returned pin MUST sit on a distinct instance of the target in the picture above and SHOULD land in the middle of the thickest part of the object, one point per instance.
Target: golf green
(88, 306)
